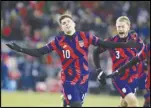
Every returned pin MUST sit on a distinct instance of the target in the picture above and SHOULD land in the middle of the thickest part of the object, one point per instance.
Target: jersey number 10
(66, 53)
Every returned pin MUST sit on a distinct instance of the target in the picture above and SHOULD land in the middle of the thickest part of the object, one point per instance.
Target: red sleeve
(94, 40)
(144, 52)
(51, 45)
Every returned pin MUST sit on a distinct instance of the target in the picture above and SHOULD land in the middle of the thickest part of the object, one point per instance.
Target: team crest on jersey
(81, 43)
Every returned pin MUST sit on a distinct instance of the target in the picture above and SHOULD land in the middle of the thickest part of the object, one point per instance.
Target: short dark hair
(65, 15)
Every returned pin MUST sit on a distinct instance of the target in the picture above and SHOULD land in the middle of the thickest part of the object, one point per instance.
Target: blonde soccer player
(125, 84)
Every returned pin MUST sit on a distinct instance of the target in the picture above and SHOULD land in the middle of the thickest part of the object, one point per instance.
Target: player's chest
(121, 53)
(72, 44)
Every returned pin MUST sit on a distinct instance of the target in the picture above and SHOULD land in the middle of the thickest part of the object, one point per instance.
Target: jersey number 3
(66, 53)
(117, 54)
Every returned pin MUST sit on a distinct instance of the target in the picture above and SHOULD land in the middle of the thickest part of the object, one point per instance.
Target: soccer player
(72, 47)
(144, 54)
(125, 85)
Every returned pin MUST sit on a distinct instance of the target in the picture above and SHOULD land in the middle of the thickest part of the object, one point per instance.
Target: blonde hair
(67, 14)
(123, 18)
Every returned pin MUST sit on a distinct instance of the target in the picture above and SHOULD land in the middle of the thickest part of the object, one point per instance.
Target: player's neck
(71, 33)
(126, 35)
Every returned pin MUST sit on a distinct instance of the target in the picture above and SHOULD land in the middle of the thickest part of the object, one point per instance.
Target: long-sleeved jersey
(73, 52)
(144, 54)
(122, 55)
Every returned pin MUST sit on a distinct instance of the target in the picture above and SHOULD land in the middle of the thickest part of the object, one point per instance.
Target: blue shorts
(141, 81)
(75, 92)
(123, 87)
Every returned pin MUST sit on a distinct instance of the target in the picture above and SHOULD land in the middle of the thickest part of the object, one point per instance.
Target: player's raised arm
(141, 56)
(109, 44)
(135, 43)
(32, 52)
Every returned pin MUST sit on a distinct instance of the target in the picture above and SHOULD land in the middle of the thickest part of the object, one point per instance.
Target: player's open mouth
(121, 33)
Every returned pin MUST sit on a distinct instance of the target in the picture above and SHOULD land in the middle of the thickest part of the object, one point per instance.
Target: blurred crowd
(34, 23)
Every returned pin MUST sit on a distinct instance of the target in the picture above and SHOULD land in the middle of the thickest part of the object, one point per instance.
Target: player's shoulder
(83, 33)
(112, 38)
(59, 36)
(115, 36)
(133, 34)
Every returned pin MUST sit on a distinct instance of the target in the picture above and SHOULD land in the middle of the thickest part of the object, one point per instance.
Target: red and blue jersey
(141, 69)
(144, 54)
(122, 55)
(73, 53)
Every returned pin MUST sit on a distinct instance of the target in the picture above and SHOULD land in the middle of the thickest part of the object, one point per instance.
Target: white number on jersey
(117, 54)
(66, 53)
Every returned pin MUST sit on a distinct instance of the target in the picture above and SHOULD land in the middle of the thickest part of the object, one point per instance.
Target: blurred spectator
(30, 73)
(4, 75)
(10, 71)
(37, 36)
(98, 16)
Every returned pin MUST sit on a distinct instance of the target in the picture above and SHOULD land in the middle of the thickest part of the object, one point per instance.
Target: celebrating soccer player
(72, 47)
(144, 54)
(126, 84)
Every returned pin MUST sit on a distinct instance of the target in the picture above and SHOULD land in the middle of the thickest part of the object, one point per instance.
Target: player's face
(122, 29)
(67, 25)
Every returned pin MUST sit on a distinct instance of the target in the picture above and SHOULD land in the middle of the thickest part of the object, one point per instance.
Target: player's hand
(113, 75)
(14, 46)
(102, 77)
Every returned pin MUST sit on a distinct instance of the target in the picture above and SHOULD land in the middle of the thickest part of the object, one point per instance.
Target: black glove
(102, 77)
(14, 46)
(113, 75)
